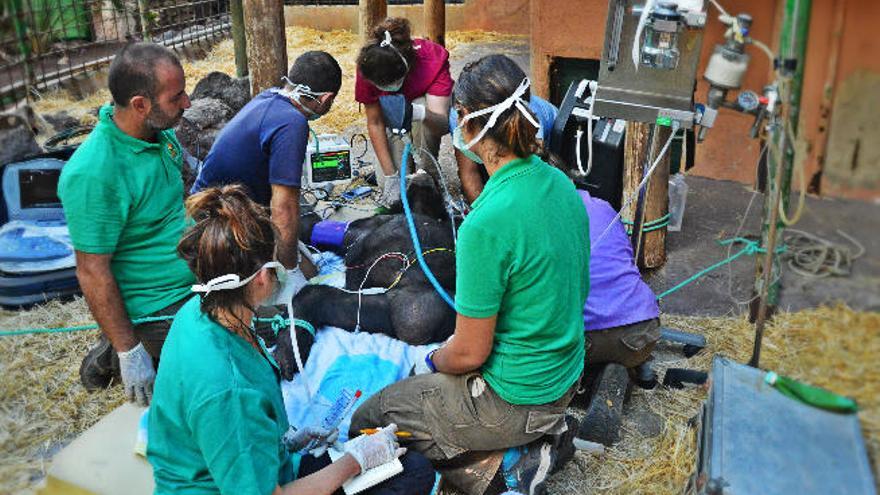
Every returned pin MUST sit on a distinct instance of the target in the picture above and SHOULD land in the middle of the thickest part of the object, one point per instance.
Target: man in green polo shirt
(123, 198)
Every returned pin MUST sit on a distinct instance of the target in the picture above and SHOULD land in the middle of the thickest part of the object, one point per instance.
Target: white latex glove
(374, 450)
(314, 438)
(138, 374)
(284, 294)
(390, 191)
(421, 367)
(418, 112)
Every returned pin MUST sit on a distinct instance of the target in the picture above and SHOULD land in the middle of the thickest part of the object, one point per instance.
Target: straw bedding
(343, 45)
(43, 405)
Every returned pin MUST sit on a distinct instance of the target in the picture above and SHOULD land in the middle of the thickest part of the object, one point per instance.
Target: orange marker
(372, 431)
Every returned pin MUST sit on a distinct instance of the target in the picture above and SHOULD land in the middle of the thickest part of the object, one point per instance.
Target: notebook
(371, 477)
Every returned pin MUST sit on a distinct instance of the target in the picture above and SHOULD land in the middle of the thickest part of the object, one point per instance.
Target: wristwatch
(430, 362)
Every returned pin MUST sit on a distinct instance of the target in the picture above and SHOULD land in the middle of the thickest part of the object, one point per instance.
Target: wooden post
(435, 21)
(266, 46)
(370, 13)
(652, 251)
(236, 14)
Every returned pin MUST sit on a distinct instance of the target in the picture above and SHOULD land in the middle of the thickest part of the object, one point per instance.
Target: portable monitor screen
(38, 188)
(328, 166)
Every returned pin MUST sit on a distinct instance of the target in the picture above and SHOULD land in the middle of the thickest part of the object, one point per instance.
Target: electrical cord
(635, 193)
(449, 205)
(810, 255)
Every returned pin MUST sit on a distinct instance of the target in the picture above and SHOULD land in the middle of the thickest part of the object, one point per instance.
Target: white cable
(447, 196)
(360, 291)
(634, 194)
(590, 140)
(719, 7)
(296, 354)
(577, 150)
(764, 48)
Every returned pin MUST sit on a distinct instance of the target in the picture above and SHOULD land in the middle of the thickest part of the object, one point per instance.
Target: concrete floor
(714, 211)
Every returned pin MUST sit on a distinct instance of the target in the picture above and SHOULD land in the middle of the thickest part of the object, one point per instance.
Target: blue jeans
(417, 477)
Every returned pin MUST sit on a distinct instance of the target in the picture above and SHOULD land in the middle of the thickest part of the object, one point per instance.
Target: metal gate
(45, 42)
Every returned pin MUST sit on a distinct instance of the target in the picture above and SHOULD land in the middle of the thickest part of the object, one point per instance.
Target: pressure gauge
(747, 100)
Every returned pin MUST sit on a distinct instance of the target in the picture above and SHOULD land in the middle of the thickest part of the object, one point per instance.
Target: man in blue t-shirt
(473, 175)
(263, 147)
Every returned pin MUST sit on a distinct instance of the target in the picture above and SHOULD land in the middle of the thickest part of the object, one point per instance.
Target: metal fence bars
(45, 42)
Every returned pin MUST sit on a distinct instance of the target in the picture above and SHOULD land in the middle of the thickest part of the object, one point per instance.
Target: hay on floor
(342, 44)
(831, 347)
(44, 406)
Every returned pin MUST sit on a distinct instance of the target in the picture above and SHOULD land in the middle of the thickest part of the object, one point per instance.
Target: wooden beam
(435, 21)
(640, 147)
(266, 45)
(236, 15)
(370, 13)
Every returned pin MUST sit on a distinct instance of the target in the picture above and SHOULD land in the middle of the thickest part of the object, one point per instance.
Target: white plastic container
(678, 190)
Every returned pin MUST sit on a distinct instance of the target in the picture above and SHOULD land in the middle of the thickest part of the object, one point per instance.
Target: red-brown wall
(840, 101)
(508, 16)
(839, 131)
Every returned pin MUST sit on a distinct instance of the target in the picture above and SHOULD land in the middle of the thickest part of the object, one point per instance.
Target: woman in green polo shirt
(494, 395)
(217, 417)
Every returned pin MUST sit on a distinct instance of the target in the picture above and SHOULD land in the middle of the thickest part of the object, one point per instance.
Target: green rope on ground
(80, 328)
(751, 248)
(278, 322)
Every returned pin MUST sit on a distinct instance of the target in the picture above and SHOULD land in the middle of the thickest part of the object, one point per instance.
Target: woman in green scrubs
(217, 417)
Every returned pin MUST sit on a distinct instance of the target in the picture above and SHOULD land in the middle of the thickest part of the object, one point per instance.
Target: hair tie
(386, 41)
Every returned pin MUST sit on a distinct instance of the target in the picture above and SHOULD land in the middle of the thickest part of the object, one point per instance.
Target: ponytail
(385, 64)
(231, 234)
(488, 82)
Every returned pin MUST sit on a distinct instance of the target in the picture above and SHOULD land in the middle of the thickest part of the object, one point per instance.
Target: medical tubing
(634, 195)
(296, 354)
(137, 321)
(447, 197)
(577, 150)
(417, 246)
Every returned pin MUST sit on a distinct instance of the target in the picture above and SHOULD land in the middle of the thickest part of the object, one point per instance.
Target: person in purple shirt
(621, 315)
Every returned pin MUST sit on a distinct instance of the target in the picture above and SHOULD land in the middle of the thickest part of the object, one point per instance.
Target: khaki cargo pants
(460, 423)
(627, 345)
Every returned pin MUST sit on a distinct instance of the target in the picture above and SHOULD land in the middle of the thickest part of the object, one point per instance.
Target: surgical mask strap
(500, 108)
(231, 280)
(387, 42)
(298, 91)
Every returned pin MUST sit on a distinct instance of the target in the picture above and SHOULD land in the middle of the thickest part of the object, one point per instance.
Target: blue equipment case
(753, 439)
(36, 259)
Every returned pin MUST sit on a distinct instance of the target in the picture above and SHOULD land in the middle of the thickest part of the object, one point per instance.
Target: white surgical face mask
(395, 86)
(496, 111)
(233, 281)
(460, 145)
(299, 91)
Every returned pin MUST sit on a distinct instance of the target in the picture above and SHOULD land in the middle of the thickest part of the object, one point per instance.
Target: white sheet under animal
(339, 360)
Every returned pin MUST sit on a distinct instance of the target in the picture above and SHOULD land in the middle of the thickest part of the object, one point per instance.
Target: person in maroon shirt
(396, 76)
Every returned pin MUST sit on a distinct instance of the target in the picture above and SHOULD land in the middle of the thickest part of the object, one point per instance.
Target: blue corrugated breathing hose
(414, 235)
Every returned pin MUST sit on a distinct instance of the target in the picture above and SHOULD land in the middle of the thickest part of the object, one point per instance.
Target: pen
(371, 431)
